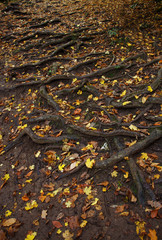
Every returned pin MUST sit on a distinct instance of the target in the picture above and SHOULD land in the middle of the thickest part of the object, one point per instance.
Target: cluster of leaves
(127, 12)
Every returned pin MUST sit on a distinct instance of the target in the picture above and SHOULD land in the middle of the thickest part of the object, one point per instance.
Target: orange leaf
(25, 198)
(57, 224)
(152, 234)
(59, 133)
(154, 213)
(105, 183)
(28, 174)
(77, 111)
(42, 198)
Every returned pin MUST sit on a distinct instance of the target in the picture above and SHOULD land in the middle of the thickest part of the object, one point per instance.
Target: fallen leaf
(149, 88)
(44, 214)
(73, 222)
(120, 208)
(152, 234)
(87, 190)
(95, 201)
(124, 214)
(8, 213)
(31, 205)
(83, 224)
(68, 204)
(2, 235)
(114, 174)
(6, 177)
(155, 204)
(67, 235)
(140, 229)
(89, 163)
(77, 111)
(125, 103)
(31, 236)
(154, 213)
(57, 224)
(8, 222)
(105, 183)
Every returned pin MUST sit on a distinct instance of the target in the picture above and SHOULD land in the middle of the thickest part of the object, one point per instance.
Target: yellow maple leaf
(79, 92)
(144, 156)
(133, 127)
(31, 236)
(6, 177)
(89, 163)
(31, 205)
(61, 166)
(95, 98)
(59, 231)
(83, 224)
(74, 80)
(68, 204)
(87, 190)
(123, 93)
(149, 88)
(104, 189)
(125, 103)
(140, 229)
(8, 213)
(114, 174)
(90, 97)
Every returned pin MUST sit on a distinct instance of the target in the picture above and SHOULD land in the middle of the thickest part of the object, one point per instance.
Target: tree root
(155, 135)
(49, 98)
(104, 134)
(82, 64)
(154, 85)
(37, 139)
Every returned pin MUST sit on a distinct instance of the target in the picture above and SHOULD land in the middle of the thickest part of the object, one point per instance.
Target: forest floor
(80, 137)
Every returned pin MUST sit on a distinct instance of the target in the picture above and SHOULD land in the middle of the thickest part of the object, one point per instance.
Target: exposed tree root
(37, 139)
(155, 135)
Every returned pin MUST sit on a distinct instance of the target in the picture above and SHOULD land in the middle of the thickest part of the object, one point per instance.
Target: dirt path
(80, 137)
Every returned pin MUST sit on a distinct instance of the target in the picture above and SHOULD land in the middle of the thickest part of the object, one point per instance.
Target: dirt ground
(53, 57)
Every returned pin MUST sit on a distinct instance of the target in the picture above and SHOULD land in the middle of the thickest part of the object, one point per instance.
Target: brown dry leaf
(57, 224)
(44, 214)
(28, 174)
(105, 183)
(2, 235)
(152, 234)
(60, 215)
(154, 213)
(120, 208)
(90, 213)
(8, 222)
(71, 200)
(155, 204)
(73, 221)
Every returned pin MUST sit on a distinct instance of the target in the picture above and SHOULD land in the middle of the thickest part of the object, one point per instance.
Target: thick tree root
(49, 98)
(37, 139)
(155, 135)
